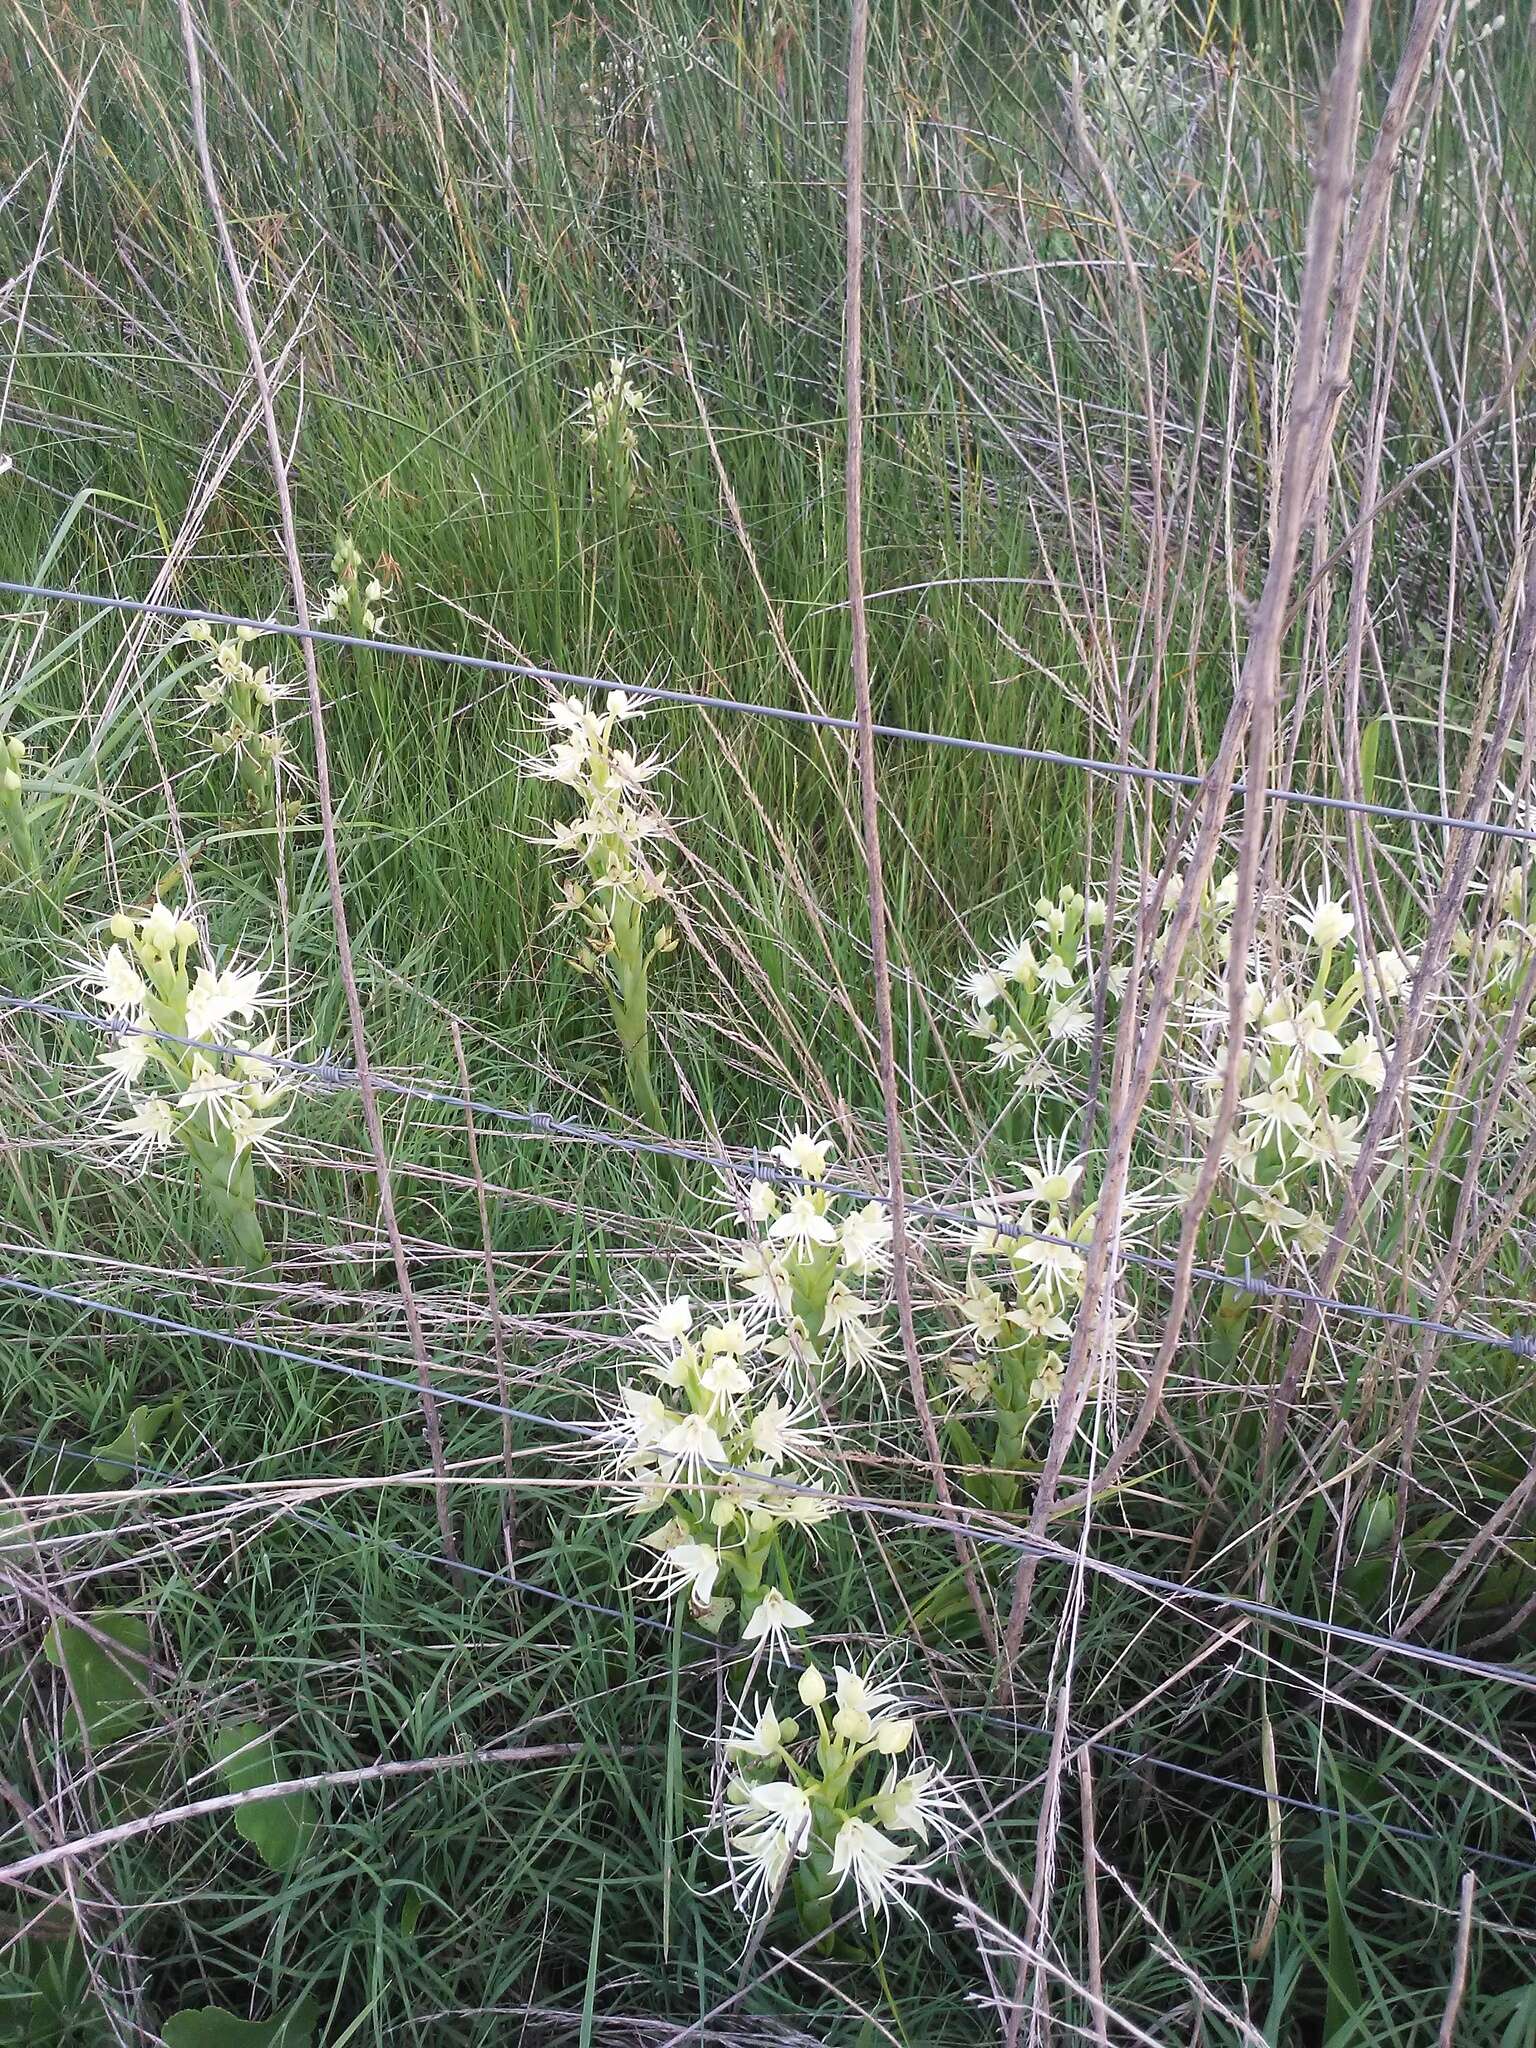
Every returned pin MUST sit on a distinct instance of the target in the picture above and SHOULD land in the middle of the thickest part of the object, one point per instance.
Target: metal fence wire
(529, 1122)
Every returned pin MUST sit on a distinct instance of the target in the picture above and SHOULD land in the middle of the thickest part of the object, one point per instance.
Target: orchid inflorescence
(16, 803)
(616, 882)
(1025, 1275)
(1114, 44)
(1031, 1004)
(239, 700)
(1307, 1065)
(719, 1443)
(842, 1803)
(356, 599)
(223, 1107)
(812, 1258)
(1503, 953)
(607, 417)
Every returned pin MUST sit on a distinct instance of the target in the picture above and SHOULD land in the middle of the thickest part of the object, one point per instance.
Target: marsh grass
(453, 222)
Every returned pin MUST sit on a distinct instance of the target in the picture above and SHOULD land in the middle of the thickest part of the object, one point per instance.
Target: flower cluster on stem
(837, 1800)
(1308, 1064)
(1031, 1004)
(1114, 45)
(239, 700)
(608, 416)
(815, 1265)
(718, 1445)
(356, 599)
(1023, 1287)
(1503, 954)
(222, 1109)
(615, 884)
(16, 804)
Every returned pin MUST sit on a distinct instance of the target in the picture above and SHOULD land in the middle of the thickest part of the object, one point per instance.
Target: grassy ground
(452, 221)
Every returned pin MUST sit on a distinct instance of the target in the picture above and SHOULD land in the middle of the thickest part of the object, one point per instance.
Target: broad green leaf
(279, 1828)
(111, 1692)
(209, 2026)
(115, 1461)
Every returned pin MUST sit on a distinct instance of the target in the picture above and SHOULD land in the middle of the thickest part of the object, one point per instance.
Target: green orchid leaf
(111, 1693)
(278, 1829)
(209, 2026)
(115, 1461)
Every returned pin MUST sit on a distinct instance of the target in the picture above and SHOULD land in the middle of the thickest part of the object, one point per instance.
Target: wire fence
(326, 1075)
(1091, 764)
(717, 1656)
(752, 1164)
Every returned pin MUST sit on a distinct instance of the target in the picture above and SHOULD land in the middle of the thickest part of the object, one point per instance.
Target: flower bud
(122, 926)
(812, 1687)
(893, 1737)
(12, 782)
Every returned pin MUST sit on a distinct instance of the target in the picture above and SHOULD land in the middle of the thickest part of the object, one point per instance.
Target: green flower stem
(815, 1887)
(1007, 1457)
(228, 1187)
(629, 997)
(226, 1180)
(364, 658)
(18, 829)
(810, 1283)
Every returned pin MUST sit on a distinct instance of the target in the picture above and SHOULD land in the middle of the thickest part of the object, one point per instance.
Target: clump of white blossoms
(1024, 1286)
(1113, 45)
(16, 804)
(1502, 952)
(1496, 953)
(1308, 1064)
(222, 1109)
(608, 415)
(841, 1805)
(815, 1264)
(616, 883)
(356, 599)
(1032, 1003)
(239, 700)
(717, 1445)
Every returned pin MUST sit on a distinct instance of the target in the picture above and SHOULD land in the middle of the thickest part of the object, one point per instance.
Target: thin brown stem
(282, 1788)
(1250, 727)
(858, 620)
(365, 1086)
(493, 1305)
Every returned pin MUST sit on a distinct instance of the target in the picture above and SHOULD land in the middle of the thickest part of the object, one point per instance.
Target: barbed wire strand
(489, 664)
(751, 1163)
(1141, 1759)
(978, 1526)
